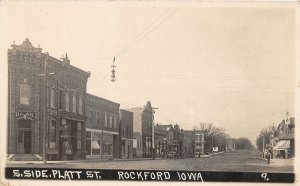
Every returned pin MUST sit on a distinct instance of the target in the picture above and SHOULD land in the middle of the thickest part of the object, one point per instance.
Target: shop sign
(25, 115)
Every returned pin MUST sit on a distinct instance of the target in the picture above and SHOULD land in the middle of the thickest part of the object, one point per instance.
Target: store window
(52, 134)
(24, 94)
(108, 150)
(88, 142)
(79, 136)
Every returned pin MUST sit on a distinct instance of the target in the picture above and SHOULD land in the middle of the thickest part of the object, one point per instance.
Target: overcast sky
(232, 66)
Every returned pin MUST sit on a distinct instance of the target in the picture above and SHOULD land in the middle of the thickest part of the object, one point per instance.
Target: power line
(143, 31)
(149, 32)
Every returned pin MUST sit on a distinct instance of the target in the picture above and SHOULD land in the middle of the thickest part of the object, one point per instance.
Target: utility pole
(153, 148)
(45, 113)
(263, 150)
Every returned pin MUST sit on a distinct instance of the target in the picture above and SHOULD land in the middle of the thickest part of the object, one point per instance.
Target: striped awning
(282, 145)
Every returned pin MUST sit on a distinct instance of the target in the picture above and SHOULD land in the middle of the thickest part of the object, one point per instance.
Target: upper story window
(105, 120)
(98, 118)
(115, 122)
(91, 117)
(24, 94)
(80, 105)
(67, 102)
(52, 98)
(60, 106)
(74, 103)
(110, 121)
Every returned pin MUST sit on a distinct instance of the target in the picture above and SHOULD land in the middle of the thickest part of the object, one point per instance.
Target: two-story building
(142, 128)
(46, 104)
(198, 143)
(102, 128)
(126, 134)
(160, 141)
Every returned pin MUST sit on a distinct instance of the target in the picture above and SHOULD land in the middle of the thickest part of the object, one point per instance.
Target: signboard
(25, 115)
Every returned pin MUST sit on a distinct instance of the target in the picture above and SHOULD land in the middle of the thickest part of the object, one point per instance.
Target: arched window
(24, 94)
(91, 117)
(98, 118)
(105, 120)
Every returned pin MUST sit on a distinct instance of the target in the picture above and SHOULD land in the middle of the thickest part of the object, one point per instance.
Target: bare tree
(214, 136)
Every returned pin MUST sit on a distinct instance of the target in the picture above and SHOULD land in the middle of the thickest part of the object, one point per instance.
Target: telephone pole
(153, 124)
(45, 113)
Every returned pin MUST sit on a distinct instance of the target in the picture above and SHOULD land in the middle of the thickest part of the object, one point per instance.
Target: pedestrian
(163, 153)
(268, 156)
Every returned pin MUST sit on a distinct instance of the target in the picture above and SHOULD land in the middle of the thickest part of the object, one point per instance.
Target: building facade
(102, 128)
(43, 87)
(142, 124)
(126, 134)
(198, 141)
(160, 141)
(283, 141)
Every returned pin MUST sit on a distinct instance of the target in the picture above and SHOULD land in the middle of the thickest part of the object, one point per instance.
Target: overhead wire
(143, 31)
(149, 32)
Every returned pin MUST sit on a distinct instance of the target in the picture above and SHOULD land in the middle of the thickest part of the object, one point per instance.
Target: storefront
(93, 143)
(127, 148)
(70, 141)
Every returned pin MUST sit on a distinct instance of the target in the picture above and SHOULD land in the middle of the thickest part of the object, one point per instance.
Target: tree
(214, 136)
(243, 144)
(264, 135)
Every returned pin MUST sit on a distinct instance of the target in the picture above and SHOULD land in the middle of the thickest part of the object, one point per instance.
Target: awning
(282, 145)
(95, 145)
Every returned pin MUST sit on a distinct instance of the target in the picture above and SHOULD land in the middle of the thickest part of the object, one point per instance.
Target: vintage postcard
(166, 91)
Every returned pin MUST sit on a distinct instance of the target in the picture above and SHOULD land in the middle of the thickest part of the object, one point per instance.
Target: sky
(230, 66)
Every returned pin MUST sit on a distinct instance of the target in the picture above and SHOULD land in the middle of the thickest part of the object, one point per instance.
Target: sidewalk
(282, 162)
(102, 160)
(79, 161)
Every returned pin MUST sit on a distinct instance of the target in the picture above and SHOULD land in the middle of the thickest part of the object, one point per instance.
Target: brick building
(62, 90)
(142, 127)
(198, 142)
(160, 141)
(126, 134)
(102, 128)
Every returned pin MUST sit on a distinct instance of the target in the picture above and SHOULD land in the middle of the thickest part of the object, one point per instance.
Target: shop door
(27, 142)
(24, 142)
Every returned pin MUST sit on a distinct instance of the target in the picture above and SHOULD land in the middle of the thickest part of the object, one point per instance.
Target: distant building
(198, 143)
(188, 146)
(126, 134)
(142, 127)
(102, 128)
(64, 100)
(160, 137)
(284, 139)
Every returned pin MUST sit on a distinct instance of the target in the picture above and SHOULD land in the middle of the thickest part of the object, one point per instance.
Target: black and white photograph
(167, 91)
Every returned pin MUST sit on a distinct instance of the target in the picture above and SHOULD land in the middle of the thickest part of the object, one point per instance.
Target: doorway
(24, 142)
